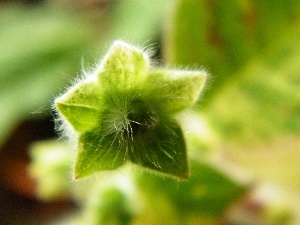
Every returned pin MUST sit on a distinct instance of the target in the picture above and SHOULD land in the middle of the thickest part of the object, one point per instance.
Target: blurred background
(244, 136)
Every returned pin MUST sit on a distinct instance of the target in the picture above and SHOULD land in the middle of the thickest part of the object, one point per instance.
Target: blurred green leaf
(258, 115)
(223, 35)
(265, 100)
(39, 49)
(204, 197)
(50, 167)
(108, 205)
(137, 22)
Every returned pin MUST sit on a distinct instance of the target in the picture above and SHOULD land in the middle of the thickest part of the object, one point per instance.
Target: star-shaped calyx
(126, 112)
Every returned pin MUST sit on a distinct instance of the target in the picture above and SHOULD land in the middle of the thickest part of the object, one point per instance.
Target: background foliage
(244, 138)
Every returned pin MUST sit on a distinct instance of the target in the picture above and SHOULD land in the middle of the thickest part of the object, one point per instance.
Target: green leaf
(137, 21)
(81, 106)
(111, 206)
(223, 36)
(176, 90)
(38, 48)
(191, 39)
(264, 101)
(205, 196)
(259, 113)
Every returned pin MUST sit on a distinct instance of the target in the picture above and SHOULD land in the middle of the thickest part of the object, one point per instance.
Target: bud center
(140, 118)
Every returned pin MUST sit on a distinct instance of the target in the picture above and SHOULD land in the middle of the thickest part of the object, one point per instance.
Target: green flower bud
(126, 112)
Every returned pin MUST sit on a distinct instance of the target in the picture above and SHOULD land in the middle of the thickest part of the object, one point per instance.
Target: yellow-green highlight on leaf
(176, 89)
(260, 113)
(82, 118)
(126, 111)
(81, 109)
(123, 66)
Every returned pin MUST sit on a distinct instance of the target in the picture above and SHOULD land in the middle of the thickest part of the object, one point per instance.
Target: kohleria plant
(127, 111)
